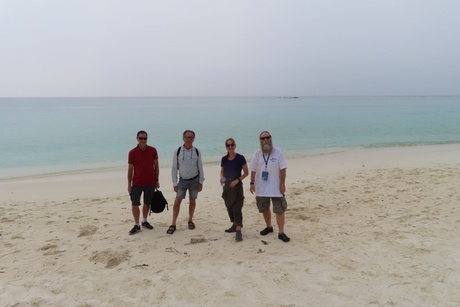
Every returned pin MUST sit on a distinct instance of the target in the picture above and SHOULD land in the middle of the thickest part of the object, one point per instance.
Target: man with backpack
(187, 175)
(143, 174)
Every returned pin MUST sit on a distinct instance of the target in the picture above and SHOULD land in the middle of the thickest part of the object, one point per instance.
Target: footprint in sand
(87, 230)
(198, 239)
(110, 258)
(51, 249)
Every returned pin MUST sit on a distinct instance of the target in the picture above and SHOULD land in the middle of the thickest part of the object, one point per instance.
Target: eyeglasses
(142, 139)
(263, 138)
(228, 145)
(189, 137)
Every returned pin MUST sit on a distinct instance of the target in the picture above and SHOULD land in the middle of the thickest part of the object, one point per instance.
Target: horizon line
(228, 96)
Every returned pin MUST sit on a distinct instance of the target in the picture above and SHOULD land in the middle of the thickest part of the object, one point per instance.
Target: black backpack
(158, 203)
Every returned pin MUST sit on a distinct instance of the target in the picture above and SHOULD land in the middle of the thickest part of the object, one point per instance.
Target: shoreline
(104, 183)
(339, 153)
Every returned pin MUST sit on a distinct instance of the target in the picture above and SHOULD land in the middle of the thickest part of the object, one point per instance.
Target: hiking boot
(283, 237)
(239, 236)
(135, 230)
(231, 229)
(147, 225)
(266, 231)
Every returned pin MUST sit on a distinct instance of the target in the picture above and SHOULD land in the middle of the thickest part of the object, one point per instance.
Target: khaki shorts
(279, 204)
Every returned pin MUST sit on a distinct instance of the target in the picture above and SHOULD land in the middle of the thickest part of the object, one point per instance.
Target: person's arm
(253, 169)
(130, 177)
(221, 174)
(283, 181)
(157, 173)
(245, 172)
(174, 169)
(283, 167)
(201, 170)
(251, 184)
(240, 179)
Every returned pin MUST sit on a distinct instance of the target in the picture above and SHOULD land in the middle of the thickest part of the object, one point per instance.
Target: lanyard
(266, 161)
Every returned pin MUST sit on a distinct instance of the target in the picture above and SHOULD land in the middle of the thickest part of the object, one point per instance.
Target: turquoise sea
(45, 136)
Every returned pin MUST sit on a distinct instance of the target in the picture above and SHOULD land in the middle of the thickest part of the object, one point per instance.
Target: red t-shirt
(144, 169)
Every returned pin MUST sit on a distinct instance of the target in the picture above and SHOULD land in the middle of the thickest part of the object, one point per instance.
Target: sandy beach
(374, 227)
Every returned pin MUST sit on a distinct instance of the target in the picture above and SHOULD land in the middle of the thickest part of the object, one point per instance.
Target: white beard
(267, 148)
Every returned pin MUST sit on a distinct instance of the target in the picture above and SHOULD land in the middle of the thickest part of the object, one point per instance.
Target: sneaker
(283, 237)
(231, 229)
(266, 231)
(147, 225)
(135, 230)
(239, 236)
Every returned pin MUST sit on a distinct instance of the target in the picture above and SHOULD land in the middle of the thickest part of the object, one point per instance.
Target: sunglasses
(143, 139)
(228, 145)
(265, 138)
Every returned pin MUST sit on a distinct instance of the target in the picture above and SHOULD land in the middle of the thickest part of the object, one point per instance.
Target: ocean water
(43, 136)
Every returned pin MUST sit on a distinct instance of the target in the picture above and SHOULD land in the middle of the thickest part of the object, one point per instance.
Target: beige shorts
(279, 204)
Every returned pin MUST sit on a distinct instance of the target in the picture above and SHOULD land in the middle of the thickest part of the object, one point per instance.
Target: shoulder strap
(177, 156)
(196, 150)
(178, 151)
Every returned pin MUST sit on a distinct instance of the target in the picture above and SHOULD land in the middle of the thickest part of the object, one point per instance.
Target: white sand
(367, 227)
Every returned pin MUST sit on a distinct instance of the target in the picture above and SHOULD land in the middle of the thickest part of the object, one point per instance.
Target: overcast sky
(229, 48)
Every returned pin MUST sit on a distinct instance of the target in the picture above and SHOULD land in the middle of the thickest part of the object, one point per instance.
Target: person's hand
(252, 188)
(157, 185)
(200, 187)
(282, 188)
(129, 189)
(175, 188)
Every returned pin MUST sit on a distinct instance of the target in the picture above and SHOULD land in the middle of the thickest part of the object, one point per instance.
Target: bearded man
(268, 176)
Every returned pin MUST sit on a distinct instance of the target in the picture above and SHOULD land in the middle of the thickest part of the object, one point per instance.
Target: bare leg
(191, 209)
(145, 210)
(280, 222)
(176, 210)
(136, 213)
(267, 217)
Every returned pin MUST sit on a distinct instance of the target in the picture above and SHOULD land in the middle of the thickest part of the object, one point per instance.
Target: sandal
(171, 229)
(191, 225)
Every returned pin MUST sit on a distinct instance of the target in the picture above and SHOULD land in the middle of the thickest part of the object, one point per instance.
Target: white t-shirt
(273, 163)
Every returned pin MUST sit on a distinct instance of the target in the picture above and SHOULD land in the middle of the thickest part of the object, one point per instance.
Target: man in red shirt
(143, 174)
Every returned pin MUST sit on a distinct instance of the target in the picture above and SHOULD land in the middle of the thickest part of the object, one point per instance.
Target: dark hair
(186, 131)
(142, 132)
(264, 132)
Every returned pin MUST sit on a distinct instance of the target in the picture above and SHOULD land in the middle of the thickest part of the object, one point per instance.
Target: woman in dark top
(230, 173)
